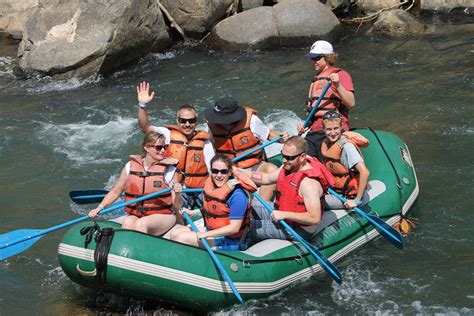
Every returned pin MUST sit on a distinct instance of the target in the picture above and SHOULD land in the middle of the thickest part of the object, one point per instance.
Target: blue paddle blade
(87, 196)
(215, 259)
(30, 237)
(324, 262)
(390, 233)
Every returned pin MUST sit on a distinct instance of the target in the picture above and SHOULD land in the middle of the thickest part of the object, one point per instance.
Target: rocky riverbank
(73, 38)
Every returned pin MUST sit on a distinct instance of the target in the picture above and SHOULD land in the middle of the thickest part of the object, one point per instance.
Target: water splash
(42, 85)
(281, 120)
(85, 143)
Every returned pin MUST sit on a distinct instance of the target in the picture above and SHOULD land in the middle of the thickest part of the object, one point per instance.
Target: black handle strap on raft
(103, 241)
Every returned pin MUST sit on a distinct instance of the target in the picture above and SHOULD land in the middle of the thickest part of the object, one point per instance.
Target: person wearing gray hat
(339, 97)
(236, 130)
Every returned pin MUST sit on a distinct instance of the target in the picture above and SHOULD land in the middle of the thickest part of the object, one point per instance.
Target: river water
(56, 137)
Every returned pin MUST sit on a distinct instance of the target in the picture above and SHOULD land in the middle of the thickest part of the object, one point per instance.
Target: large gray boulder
(398, 22)
(14, 14)
(290, 22)
(66, 38)
(429, 5)
(369, 6)
(445, 5)
(197, 17)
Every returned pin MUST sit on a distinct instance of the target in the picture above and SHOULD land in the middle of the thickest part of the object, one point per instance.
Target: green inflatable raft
(141, 265)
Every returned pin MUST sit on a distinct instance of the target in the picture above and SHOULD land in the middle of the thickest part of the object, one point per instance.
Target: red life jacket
(141, 182)
(215, 210)
(190, 154)
(330, 101)
(347, 180)
(237, 141)
(287, 192)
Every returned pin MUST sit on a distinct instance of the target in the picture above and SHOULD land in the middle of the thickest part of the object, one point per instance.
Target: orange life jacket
(237, 141)
(287, 192)
(347, 180)
(330, 101)
(216, 212)
(141, 182)
(190, 154)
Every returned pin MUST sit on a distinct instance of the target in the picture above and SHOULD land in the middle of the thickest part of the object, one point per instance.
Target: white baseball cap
(319, 48)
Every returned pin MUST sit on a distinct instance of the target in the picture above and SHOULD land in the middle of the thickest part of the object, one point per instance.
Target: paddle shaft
(214, 258)
(383, 228)
(251, 151)
(83, 218)
(315, 107)
(323, 261)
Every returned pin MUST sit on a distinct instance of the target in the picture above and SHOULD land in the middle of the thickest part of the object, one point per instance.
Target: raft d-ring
(299, 259)
(246, 264)
(86, 273)
(234, 267)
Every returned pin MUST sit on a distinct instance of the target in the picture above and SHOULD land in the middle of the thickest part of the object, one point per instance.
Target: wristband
(358, 202)
(142, 106)
(101, 207)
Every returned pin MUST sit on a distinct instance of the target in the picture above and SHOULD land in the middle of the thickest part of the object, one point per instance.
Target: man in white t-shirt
(236, 130)
(193, 148)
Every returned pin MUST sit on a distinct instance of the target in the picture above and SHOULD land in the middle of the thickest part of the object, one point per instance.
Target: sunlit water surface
(56, 137)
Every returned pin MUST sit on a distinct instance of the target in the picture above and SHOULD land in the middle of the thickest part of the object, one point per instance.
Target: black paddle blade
(87, 196)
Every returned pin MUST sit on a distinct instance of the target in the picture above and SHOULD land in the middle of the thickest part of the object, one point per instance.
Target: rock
(197, 17)
(303, 19)
(288, 23)
(445, 5)
(14, 14)
(85, 38)
(431, 5)
(398, 22)
(250, 4)
(338, 4)
(255, 28)
(369, 6)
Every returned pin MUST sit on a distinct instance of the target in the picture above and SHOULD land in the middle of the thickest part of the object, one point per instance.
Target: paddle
(383, 228)
(214, 258)
(87, 196)
(323, 261)
(18, 241)
(315, 107)
(251, 151)
(95, 196)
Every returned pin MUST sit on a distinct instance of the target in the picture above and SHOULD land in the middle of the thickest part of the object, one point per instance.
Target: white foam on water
(162, 56)
(85, 143)
(420, 309)
(4, 60)
(6, 66)
(281, 121)
(46, 84)
(366, 290)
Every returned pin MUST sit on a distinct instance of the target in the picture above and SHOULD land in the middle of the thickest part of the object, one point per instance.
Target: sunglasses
(189, 120)
(291, 158)
(221, 171)
(331, 114)
(317, 58)
(160, 147)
